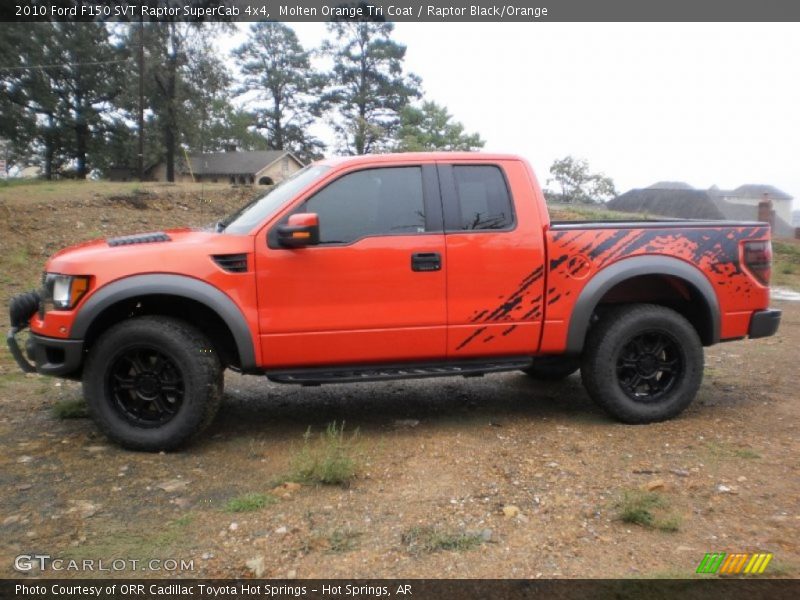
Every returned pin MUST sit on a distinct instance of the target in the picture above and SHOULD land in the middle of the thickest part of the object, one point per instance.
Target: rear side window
(373, 202)
(482, 197)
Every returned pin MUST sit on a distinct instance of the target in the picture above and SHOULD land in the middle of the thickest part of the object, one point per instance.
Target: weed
(669, 524)
(329, 460)
(70, 409)
(20, 257)
(343, 540)
(184, 520)
(723, 450)
(746, 453)
(638, 507)
(429, 539)
(249, 502)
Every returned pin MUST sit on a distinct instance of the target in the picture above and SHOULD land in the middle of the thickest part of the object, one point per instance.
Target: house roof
(691, 204)
(681, 203)
(670, 185)
(757, 190)
(234, 163)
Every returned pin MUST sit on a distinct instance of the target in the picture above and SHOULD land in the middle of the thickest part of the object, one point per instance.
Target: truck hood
(175, 251)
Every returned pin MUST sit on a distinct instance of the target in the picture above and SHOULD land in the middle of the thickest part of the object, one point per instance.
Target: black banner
(410, 589)
(401, 10)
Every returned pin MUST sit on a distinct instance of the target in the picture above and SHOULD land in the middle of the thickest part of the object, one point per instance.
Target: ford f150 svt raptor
(393, 266)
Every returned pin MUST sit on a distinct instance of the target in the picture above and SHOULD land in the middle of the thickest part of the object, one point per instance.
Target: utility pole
(140, 164)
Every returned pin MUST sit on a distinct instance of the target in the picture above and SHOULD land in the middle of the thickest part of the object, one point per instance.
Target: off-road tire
(620, 348)
(553, 368)
(178, 360)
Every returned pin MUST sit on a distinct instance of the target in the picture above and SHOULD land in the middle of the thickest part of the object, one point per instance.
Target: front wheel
(151, 383)
(642, 363)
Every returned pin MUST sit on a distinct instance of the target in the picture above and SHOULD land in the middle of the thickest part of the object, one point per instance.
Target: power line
(81, 64)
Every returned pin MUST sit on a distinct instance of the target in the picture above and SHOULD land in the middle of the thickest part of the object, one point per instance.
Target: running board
(352, 374)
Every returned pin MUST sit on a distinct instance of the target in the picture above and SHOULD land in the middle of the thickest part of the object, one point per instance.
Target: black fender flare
(170, 285)
(627, 268)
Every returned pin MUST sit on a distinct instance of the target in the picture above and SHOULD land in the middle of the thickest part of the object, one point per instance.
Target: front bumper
(48, 356)
(764, 323)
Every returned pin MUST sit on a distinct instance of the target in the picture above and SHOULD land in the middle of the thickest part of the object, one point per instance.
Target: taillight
(758, 260)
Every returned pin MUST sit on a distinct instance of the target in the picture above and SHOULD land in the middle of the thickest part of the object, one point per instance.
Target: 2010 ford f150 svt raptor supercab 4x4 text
(393, 266)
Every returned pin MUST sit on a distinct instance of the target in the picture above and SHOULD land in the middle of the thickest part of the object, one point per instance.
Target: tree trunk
(171, 130)
(169, 143)
(81, 134)
(49, 149)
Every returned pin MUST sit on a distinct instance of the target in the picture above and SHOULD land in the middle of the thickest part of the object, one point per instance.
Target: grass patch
(746, 453)
(184, 520)
(589, 212)
(142, 544)
(722, 451)
(19, 257)
(669, 524)
(430, 539)
(786, 267)
(71, 409)
(788, 250)
(249, 502)
(330, 459)
(641, 508)
(343, 540)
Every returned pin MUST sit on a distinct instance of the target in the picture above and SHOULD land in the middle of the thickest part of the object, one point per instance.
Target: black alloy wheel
(147, 387)
(649, 366)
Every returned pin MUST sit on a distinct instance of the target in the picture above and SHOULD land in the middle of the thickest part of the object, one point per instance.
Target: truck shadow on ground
(252, 404)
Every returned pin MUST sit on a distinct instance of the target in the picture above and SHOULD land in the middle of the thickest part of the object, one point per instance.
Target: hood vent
(139, 238)
(232, 263)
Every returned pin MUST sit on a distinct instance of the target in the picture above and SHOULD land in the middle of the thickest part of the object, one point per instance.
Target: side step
(352, 374)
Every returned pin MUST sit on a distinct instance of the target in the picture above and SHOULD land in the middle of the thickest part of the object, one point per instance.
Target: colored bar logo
(734, 564)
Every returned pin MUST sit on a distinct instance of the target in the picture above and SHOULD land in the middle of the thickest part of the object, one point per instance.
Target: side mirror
(300, 230)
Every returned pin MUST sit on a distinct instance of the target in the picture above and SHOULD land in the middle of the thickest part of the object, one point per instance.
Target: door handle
(426, 261)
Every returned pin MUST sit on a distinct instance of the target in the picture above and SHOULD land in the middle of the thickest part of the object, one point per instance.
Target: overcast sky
(706, 104)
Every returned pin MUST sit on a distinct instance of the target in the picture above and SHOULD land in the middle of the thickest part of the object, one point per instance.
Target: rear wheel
(151, 383)
(553, 368)
(642, 363)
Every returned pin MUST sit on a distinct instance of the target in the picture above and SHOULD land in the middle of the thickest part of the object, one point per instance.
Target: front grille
(232, 263)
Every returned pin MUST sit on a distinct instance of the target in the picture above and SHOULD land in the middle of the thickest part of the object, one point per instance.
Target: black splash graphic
(503, 310)
(556, 262)
(471, 337)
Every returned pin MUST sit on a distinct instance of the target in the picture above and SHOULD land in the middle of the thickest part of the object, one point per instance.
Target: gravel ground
(492, 477)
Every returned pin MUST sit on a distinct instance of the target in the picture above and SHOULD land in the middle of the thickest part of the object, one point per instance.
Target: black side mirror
(300, 230)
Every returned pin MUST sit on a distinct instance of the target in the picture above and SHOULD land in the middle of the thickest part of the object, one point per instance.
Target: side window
(372, 202)
(483, 197)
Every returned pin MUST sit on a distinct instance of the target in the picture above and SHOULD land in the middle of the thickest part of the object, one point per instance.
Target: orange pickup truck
(388, 267)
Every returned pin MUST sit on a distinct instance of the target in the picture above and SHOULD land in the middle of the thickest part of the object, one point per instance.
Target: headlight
(63, 292)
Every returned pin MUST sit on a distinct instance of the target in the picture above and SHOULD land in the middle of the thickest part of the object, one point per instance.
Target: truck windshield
(254, 213)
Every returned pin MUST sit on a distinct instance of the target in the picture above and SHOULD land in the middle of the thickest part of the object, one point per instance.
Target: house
(750, 195)
(122, 174)
(262, 167)
(30, 172)
(681, 200)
